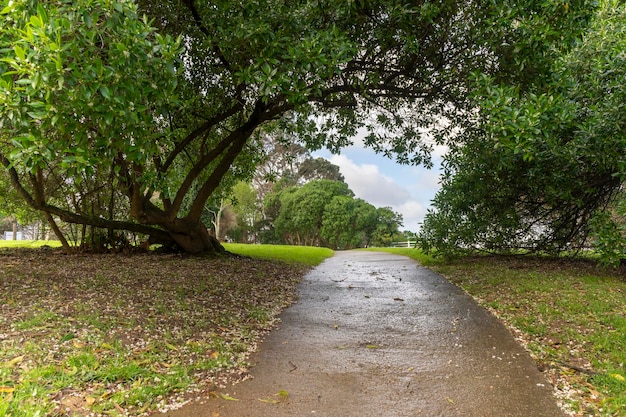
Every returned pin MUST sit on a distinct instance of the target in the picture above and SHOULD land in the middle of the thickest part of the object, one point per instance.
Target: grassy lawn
(29, 243)
(125, 335)
(570, 314)
(306, 255)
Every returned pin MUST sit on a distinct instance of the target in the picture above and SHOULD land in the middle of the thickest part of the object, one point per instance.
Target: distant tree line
(325, 213)
(296, 199)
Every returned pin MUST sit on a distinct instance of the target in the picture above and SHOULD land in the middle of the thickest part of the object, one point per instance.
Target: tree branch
(206, 126)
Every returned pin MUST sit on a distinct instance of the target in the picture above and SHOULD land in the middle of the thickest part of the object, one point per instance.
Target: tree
(245, 204)
(541, 164)
(387, 225)
(302, 211)
(319, 169)
(211, 75)
(347, 223)
(325, 213)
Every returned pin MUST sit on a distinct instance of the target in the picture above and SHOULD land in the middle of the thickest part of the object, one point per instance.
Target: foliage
(245, 206)
(542, 163)
(386, 227)
(569, 315)
(325, 212)
(87, 144)
(302, 210)
(609, 233)
(346, 221)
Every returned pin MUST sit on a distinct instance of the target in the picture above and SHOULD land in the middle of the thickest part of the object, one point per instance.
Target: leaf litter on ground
(116, 334)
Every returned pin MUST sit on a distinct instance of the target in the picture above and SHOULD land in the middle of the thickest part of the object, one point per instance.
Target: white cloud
(370, 184)
(381, 190)
(412, 214)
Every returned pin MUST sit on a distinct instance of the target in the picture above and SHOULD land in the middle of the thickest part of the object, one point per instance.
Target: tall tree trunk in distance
(217, 219)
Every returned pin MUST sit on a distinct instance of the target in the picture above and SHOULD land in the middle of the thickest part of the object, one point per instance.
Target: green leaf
(12, 5)
(37, 114)
(106, 93)
(68, 336)
(19, 51)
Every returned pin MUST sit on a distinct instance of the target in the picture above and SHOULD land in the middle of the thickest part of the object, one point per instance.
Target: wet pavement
(375, 334)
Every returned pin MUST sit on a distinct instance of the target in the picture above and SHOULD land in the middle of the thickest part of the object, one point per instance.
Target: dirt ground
(375, 334)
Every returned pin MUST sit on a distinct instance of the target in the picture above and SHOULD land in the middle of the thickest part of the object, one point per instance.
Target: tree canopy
(118, 121)
(325, 213)
(544, 167)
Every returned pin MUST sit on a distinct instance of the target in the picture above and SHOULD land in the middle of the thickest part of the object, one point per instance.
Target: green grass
(414, 254)
(29, 243)
(306, 255)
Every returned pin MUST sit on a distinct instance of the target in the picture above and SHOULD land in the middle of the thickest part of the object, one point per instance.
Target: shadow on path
(375, 334)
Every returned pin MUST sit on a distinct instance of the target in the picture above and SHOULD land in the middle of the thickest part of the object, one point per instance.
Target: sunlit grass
(29, 243)
(307, 255)
(415, 254)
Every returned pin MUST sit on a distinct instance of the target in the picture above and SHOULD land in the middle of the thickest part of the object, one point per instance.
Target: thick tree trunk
(193, 237)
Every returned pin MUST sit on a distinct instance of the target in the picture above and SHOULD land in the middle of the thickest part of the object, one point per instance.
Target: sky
(380, 181)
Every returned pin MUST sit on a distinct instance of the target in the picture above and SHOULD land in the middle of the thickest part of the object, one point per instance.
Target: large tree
(541, 165)
(153, 117)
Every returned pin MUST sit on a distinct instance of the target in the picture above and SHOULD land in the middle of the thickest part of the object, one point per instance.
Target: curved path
(375, 334)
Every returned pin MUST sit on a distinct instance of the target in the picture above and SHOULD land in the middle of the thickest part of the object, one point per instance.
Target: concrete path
(374, 335)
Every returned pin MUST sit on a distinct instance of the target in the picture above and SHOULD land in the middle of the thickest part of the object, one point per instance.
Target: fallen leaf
(228, 397)
(15, 361)
(215, 414)
(6, 389)
(268, 400)
(78, 344)
(618, 377)
(283, 393)
(90, 400)
(450, 400)
(214, 355)
(171, 346)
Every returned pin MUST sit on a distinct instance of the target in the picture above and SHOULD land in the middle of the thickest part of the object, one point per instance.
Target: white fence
(9, 236)
(405, 244)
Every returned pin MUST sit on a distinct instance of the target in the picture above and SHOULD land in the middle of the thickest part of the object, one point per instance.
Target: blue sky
(384, 183)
